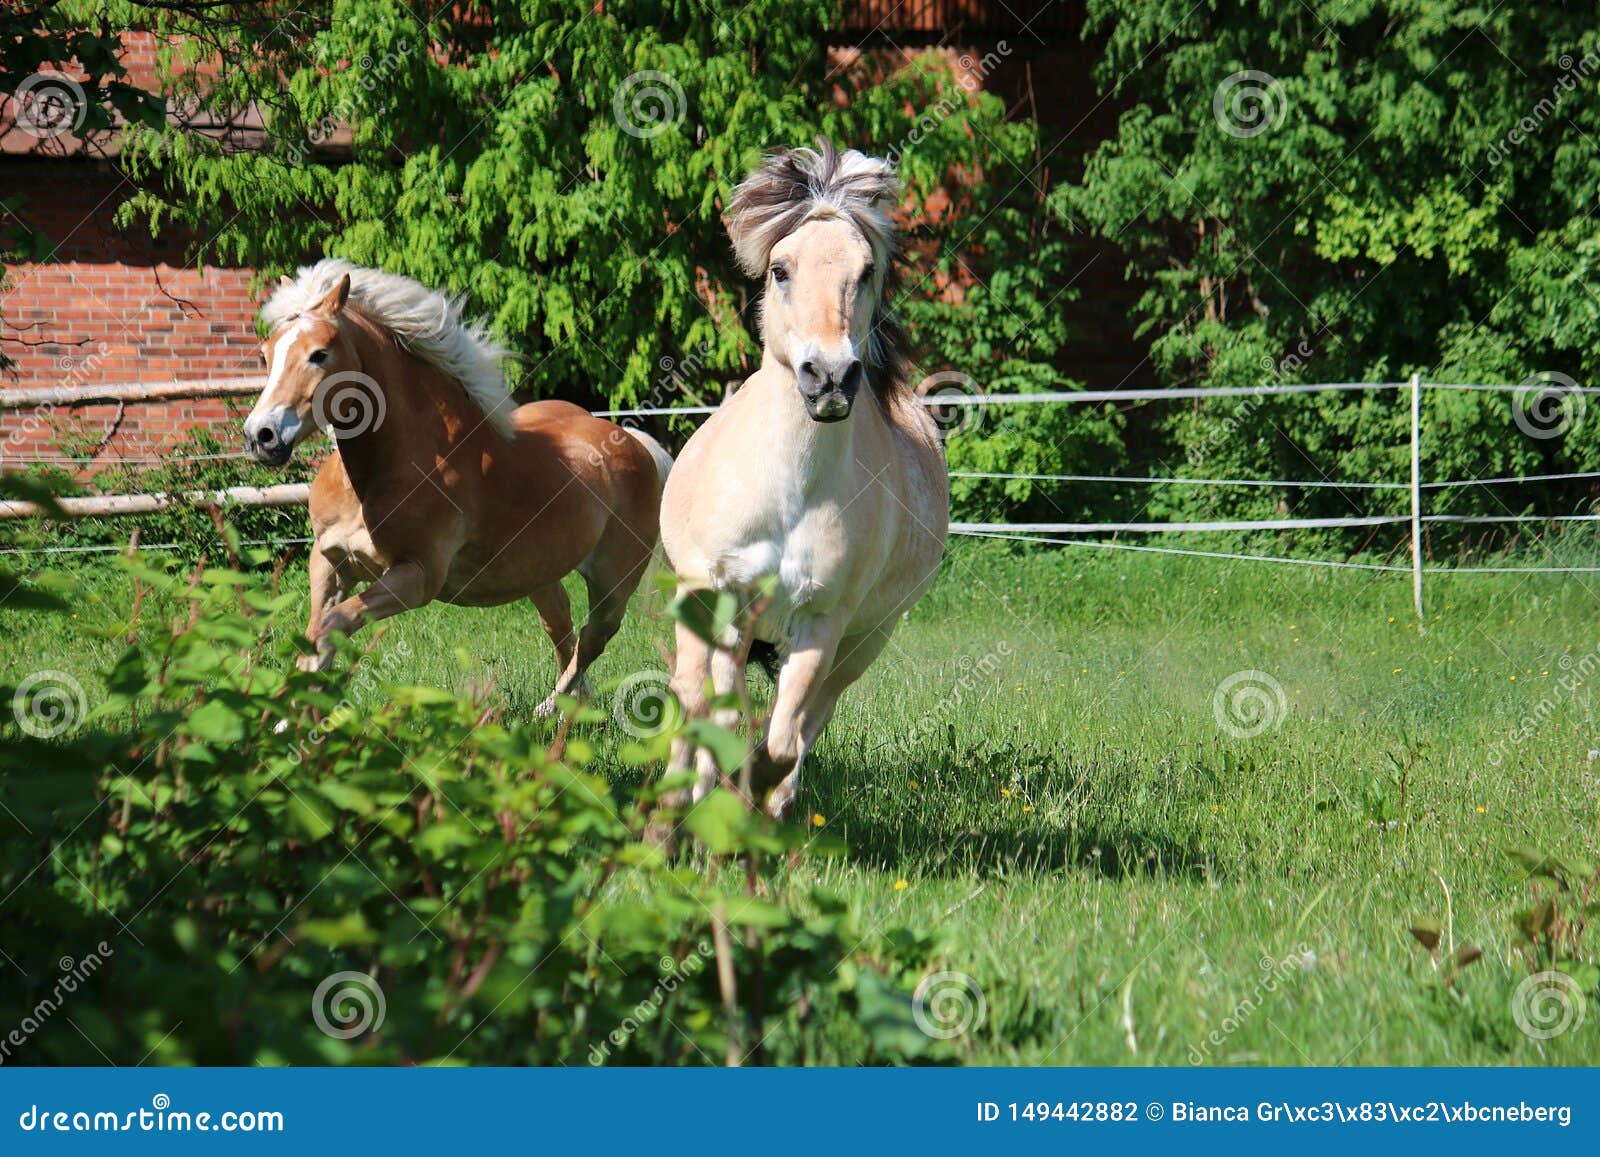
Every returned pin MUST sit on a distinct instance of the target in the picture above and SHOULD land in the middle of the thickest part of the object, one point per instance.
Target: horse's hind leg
(555, 616)
(610, 574)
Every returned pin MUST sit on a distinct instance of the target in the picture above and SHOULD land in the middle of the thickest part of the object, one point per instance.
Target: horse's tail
(658, 453)
(654, 598)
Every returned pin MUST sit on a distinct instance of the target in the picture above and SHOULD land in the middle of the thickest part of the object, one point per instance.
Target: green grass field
(1040, 769)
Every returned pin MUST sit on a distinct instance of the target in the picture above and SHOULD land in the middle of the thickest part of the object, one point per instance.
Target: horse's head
(820, 297)
(816, 226)
(305, 356)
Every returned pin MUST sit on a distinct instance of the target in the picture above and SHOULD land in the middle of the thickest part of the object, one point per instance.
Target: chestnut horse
(439, 487)
(822, 471)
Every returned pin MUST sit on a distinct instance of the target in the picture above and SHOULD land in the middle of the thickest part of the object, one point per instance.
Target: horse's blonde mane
(424, 321)
(800, 185)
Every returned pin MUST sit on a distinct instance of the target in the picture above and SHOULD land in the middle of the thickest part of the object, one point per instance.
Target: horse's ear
(285, 281)
(336, 298)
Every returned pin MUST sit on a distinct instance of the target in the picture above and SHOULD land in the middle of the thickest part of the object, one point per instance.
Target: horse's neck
(414, 429)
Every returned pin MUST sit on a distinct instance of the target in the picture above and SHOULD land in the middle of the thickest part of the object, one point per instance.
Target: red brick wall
(111, 305)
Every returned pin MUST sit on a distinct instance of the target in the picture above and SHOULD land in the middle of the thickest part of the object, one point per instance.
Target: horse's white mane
(426, 322)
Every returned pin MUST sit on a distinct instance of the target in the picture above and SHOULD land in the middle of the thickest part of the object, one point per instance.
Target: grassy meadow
(1161, 810)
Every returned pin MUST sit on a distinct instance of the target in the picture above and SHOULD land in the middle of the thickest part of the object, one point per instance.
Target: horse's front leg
(325, 591)
(792, 730)
(403, 587)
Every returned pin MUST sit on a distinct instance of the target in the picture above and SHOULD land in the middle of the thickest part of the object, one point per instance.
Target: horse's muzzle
(270, 437)
(829, 392)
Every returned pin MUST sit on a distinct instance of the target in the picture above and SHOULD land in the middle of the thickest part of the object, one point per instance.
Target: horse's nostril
(265, 437)
(852, 376)
(808, 369)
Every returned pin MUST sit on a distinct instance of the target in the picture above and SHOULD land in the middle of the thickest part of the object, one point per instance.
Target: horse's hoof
(311, 664)
(547, 709)
(780, 803)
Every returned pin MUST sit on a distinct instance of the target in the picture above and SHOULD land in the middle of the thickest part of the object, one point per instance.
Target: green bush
(232, 862)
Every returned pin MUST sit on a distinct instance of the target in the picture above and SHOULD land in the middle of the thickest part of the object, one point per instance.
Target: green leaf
(216, 722)
(709, 614)
(725, 747)
(717, 821)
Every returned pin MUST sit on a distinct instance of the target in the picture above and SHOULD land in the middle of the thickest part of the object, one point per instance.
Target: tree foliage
(1355, 192)
(568, 166)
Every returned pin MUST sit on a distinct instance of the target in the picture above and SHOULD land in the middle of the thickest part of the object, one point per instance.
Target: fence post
(1416, 500)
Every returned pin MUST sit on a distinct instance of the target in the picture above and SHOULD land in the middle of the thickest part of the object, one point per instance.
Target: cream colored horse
(822, 471)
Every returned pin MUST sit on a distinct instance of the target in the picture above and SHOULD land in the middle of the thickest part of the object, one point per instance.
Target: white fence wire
(1049, 532)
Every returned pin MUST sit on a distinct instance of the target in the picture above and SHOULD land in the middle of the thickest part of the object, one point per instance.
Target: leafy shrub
(200, 461)
(233, 862)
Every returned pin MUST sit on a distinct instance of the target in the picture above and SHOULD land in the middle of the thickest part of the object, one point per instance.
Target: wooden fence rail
(286, 494)
(35, 397)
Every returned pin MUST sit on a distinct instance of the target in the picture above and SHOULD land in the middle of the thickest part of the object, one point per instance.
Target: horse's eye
(318, 357)
(866, 274)
(780, 274)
